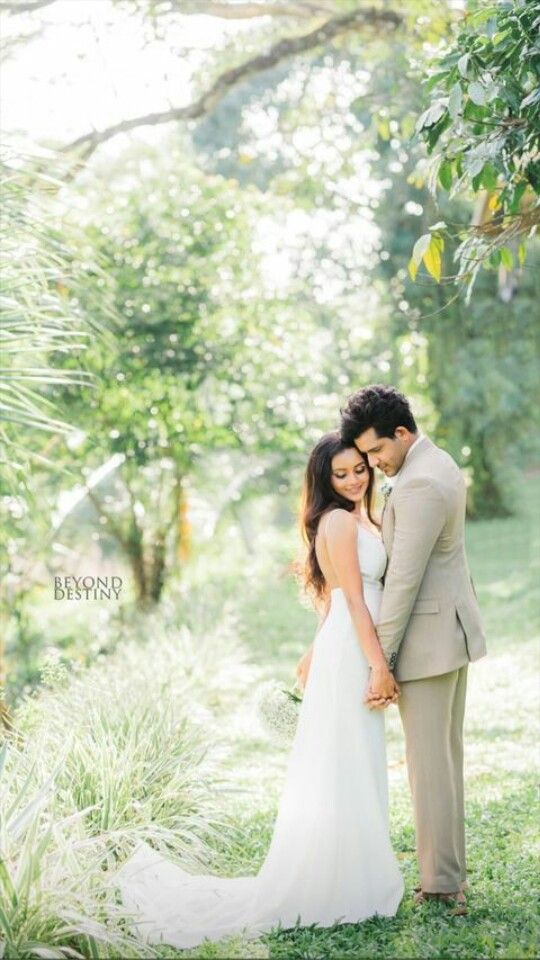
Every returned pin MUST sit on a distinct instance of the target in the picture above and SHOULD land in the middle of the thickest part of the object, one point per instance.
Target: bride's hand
(382, 691)
(382, 685)
(302, 668)
(380, 703)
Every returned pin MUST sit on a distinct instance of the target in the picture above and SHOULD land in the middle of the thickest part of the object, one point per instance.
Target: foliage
(45, 271)
(138, 762)
(39, 319)
(484, 117)
(477, 360)
(360, 169)
(208, 358)
(469, 367)
(39, 322)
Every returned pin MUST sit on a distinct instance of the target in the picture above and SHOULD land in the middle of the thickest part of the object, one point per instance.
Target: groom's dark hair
(377, 406)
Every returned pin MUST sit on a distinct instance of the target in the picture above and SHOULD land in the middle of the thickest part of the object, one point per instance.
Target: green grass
(212, 682)
(501, 737)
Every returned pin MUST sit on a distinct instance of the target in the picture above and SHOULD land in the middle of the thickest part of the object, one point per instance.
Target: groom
(429, 623)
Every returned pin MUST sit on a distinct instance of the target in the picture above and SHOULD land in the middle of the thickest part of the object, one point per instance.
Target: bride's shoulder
(336, 522)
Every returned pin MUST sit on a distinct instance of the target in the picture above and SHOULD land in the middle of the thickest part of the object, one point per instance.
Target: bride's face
(350, 475)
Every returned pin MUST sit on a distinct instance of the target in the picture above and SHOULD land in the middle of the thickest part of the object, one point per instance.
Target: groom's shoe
(456, 900)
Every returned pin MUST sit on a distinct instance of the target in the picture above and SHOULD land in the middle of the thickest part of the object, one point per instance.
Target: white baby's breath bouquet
(278, 710)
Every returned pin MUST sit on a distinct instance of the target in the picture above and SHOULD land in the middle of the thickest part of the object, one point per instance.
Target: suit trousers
(432, 712)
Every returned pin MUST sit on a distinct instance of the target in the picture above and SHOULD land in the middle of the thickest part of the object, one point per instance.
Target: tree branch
(28, 7)
(247, 11)
(288, 47)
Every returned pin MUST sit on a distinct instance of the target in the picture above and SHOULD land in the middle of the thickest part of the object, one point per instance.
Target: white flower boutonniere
(386, 489)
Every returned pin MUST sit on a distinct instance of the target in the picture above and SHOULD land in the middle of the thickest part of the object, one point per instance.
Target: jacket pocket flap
(426, 606)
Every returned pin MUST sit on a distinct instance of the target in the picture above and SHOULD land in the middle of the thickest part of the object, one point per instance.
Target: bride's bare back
(336, 547)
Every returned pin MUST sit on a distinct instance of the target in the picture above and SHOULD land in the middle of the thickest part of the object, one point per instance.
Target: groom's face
(385, 453)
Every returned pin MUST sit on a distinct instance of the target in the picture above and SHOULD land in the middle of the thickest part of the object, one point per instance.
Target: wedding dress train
(330, 859)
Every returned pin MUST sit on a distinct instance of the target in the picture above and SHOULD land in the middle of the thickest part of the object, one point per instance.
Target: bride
(330, 859)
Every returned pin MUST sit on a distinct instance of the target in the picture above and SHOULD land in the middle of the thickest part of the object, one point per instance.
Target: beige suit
(430, 628)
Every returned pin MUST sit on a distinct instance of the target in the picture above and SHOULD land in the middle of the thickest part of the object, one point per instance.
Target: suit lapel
(387, 526)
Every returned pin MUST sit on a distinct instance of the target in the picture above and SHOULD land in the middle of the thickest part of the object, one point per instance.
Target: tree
(484, 118)
(469, 369)
(331, 23)
(206, 359)
(469, 366)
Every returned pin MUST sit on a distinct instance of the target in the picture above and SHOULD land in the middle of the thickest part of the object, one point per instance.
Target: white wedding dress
(330, 859)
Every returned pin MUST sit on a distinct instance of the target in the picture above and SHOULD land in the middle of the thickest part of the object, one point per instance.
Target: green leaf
(507, 258)
(435, 79)
(477, 93)
(522, 253)
(480, 16)
(489, 177)
(530, 99)
(474, 165)
(518, 194)
(445, 174)
(455, 101)
(46, 953)
(463, 64)
(430, 116)
(412, 267)
(434, 133)
(492, 92)
(407, 126)
(419, 249)
(476, 182)
(432, 260)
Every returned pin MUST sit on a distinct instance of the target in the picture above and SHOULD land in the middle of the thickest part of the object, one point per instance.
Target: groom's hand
(380, 704)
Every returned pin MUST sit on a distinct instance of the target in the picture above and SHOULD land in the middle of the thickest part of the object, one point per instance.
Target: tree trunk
(487, 498)
(135, 555)
(157, 571)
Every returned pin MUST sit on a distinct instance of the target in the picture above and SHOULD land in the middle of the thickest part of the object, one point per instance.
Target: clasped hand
(382, 690)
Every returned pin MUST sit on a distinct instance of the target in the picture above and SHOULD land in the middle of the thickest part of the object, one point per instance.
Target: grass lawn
(500, 768)
(130, 767)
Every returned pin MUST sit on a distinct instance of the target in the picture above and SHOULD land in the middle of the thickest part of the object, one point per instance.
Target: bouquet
(278, 710)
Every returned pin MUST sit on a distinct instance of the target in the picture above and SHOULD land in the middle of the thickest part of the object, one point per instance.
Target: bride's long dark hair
(318, 497)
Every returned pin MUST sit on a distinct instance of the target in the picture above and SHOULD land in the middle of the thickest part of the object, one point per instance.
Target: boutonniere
(386, 489)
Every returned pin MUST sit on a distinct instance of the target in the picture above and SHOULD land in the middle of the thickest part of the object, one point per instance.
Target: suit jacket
(429, 621)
